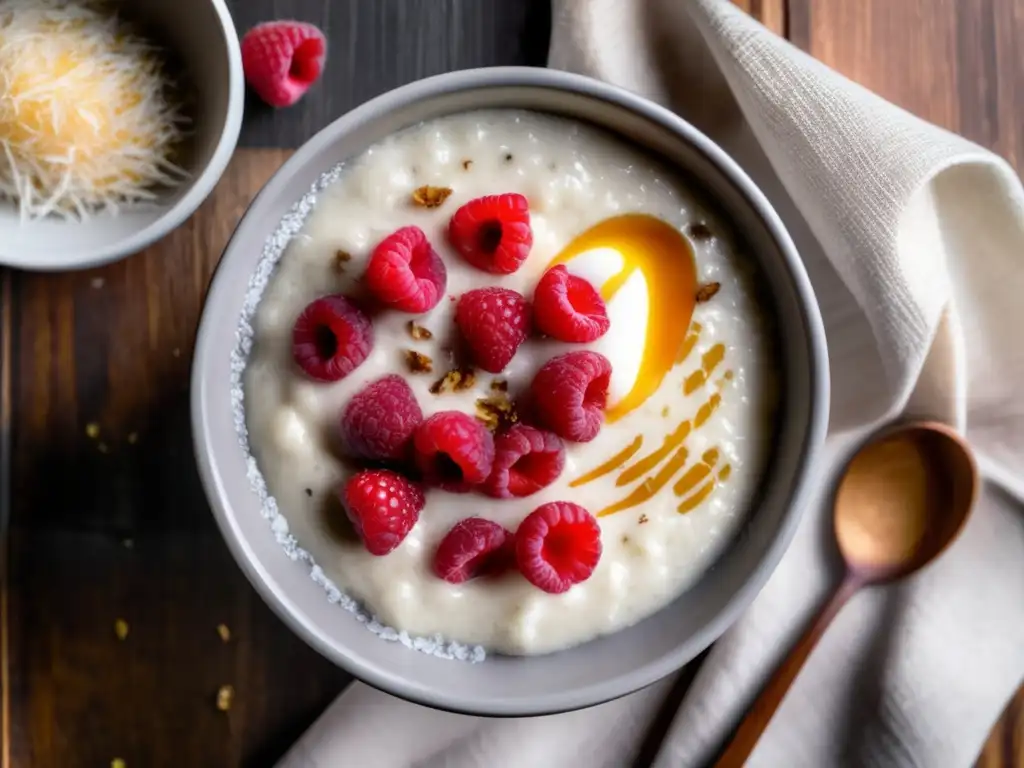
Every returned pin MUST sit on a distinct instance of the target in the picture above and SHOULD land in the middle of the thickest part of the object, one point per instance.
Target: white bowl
(202, 34)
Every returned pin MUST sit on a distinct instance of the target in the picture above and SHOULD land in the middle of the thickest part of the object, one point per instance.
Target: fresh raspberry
(569, 393)
(281, 59)
(474, 547)
(331, 338)
(493, 322)
(383, 506)
(568, 308)
(379, 420)
(454, 451)
(525, 460)
(406, 273)
(558, 545)
(493, 233)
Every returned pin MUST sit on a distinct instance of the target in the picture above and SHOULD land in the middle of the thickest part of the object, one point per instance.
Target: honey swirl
(664, 258)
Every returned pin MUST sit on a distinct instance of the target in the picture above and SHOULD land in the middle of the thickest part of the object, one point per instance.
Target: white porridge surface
(674, 470)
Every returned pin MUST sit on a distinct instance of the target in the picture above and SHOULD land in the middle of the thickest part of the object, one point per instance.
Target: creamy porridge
(676, 463)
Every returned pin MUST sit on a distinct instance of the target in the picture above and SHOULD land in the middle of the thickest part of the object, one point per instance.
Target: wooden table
(101, 511)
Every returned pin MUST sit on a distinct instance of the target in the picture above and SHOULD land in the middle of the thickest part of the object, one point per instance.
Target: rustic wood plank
(771, 13)
(114, 526)
(376, 46)
(957, 63)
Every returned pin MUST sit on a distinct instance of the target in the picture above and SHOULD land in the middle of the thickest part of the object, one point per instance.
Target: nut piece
(496, 412)
(499, 385)
(707, 291)
(224, 696)
(341, 258)
(121, 629)
(643, 519)
(430, 197)
(417, 362)
(418, 332)
(699, 232)
(467, 164)
(456, 380)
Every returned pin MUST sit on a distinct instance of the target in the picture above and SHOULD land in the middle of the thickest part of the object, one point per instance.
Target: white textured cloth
(914, 240)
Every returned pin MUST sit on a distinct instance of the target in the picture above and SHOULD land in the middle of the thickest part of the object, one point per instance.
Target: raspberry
(558, 545)
(331, 338)
(569, 393)
(568, 308)
(493, 323)
(493, 233)
(379, 420)
(454, 451)
(383, 506)
(525, 460)
(281, 59)
(474, 547)
(406, 273)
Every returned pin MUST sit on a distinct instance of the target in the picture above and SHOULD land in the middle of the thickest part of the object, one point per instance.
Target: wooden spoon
(903, 499)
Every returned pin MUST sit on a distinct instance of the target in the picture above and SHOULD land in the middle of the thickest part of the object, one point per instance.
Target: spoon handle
(763, 708)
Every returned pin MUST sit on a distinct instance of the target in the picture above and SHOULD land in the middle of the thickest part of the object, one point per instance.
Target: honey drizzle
(665, 260)
(690, 341)
(708, 362)
(694, 501)
(696, 473)
(653, 459)
(650, 486)
(612, 464)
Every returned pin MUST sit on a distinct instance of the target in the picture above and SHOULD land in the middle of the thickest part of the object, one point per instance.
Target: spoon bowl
(902, 499)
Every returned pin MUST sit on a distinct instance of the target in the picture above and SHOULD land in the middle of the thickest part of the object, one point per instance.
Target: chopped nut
(430, 197)
(341, 258)
(418, 332)
(496, 412)
(467, 164)
(133, 438)
(121, 629)
(456, 380)
(92, 430)
(417, 362)
(699, 231)
(224, 696)
(499, 385)
(707, 291)
(224, 632)
(643, 519)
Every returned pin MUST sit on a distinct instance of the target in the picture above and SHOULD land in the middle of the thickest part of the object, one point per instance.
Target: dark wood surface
(115, 526)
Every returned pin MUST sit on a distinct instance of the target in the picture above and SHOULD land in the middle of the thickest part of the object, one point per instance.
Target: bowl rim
(818, 405)
(201, 188)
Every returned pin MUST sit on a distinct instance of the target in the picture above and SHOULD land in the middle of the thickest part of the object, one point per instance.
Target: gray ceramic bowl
(201, 34)
(602, 669)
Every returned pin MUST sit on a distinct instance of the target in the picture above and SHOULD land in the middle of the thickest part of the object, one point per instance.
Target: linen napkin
(914, 241)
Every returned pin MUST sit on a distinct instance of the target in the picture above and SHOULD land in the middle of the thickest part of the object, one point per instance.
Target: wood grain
(957, 63)
(112, 347)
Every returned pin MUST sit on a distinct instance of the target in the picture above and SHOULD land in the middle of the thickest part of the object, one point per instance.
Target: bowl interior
(194, 33)
(602, 669)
